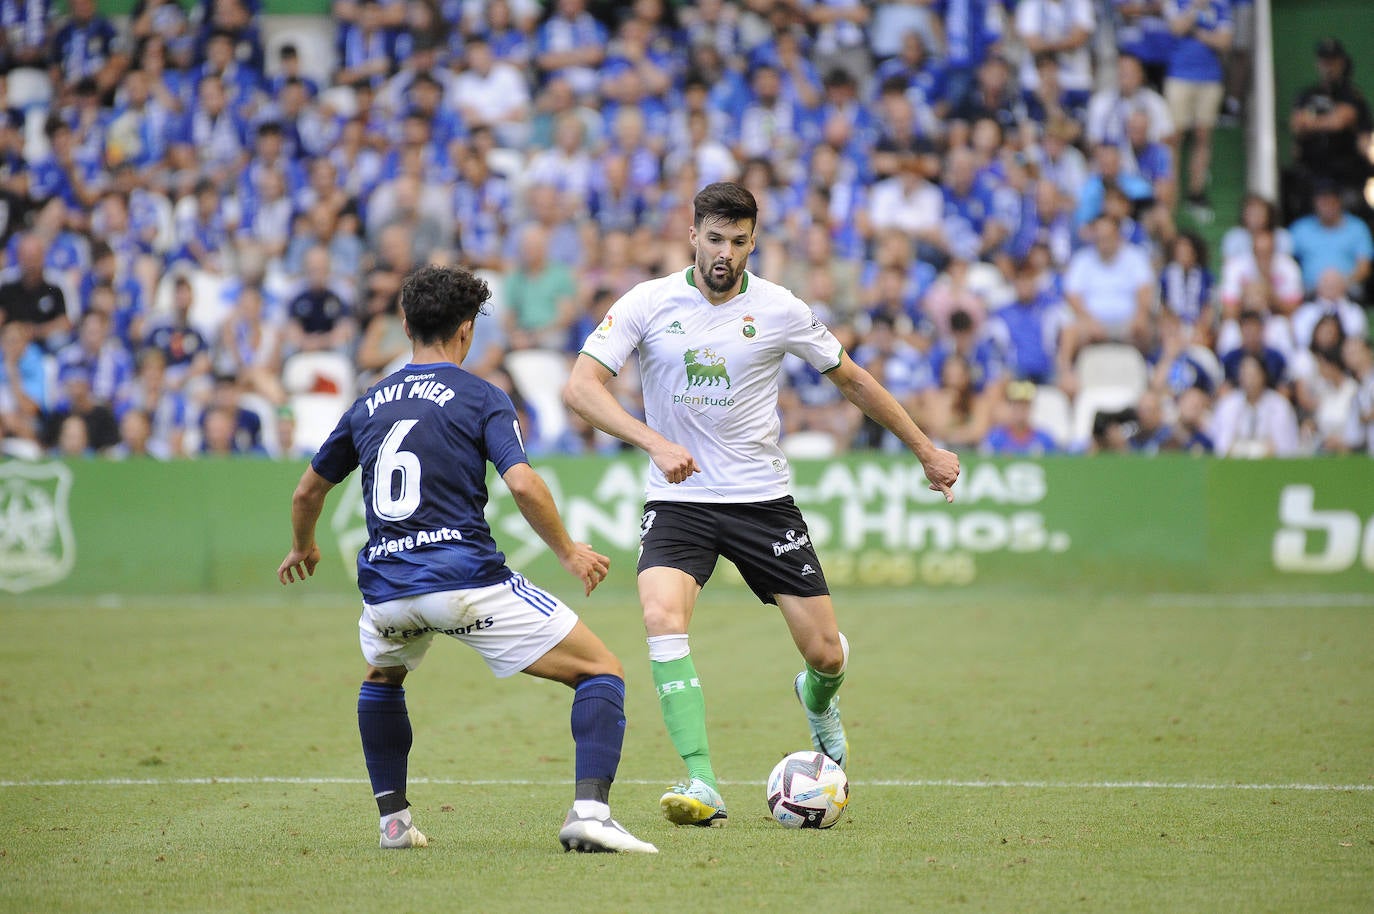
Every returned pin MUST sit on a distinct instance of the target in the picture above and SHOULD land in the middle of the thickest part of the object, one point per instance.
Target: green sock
(684, 714)
(819, 688)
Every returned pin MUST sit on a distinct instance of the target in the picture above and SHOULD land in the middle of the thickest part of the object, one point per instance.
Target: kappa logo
(704, 368)
(37, 546)
(807, 569)
(675, 328)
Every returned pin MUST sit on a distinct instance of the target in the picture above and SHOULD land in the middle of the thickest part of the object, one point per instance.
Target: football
(807, 790)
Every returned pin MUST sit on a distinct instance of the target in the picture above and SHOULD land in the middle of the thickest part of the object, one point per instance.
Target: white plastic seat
(539, 375)
(1052, 413)
(27, 87)
(313, 37)
(315, 372)
(316, 415)
(1112, 365)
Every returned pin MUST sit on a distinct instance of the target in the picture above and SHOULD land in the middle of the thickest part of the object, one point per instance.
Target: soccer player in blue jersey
(423, 437)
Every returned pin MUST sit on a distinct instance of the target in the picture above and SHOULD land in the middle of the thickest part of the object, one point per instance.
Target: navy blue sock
(598, 729)
(384, 726)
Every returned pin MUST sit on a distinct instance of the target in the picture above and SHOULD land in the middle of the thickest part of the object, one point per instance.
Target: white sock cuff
(665, 648)
(844, 646)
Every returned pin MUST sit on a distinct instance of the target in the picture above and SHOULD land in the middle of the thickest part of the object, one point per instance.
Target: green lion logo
(709, 370)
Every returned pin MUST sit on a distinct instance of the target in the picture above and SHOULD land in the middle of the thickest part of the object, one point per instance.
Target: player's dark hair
(726, 201)
(436, 300)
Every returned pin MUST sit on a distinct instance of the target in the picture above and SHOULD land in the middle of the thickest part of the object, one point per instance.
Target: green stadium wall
(1100, 526)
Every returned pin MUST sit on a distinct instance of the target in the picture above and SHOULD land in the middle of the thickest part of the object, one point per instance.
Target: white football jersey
(710, 375)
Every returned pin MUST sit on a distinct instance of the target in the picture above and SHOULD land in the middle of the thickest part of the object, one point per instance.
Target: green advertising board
(1124, 525)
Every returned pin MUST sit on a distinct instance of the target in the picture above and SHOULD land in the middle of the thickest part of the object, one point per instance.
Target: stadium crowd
(204, 237)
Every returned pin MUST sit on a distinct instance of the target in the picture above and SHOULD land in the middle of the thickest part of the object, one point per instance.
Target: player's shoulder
(672, 285)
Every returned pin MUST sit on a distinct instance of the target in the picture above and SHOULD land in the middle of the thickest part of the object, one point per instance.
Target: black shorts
(768, 542)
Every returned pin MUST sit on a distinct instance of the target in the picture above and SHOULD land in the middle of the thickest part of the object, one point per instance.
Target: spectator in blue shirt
(571, 45)
(26, 25)
(1332, 238)
(1017, 437)
(1142, 32)
(366, 52)
(289, 68)
(972, 29)
(922, 78)
(86, 45)
(1028, 331)
(1194, 87)
(107, 364)
(186, 354)
(25, 396)
(240, 81)
(214, 132)
(1252, 344)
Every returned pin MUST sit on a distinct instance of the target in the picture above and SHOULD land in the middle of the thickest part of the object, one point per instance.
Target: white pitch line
(1259, 600)
(477, 782)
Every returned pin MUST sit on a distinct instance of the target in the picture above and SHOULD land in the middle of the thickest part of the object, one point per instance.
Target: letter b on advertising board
(1316, 541)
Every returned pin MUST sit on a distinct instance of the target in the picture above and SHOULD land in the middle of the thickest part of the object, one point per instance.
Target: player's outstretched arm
(536, 503)
(306, 504)
(864, 391)
(586, 395)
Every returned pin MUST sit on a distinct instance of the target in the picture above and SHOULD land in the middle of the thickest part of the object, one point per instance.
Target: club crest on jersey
(675, 328)
(749, 330)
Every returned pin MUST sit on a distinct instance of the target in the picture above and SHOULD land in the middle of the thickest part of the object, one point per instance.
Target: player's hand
(587, 565)
(297, 565)
(675, 462)
(942, 469)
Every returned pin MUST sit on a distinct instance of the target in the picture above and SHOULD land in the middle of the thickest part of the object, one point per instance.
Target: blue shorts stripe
(532, 595)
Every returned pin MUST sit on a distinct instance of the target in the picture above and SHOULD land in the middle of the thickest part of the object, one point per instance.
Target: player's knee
(391, 675)
(663, 619)
(826, 653)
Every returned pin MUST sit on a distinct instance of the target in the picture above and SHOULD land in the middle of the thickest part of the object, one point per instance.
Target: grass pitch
(1052, 755)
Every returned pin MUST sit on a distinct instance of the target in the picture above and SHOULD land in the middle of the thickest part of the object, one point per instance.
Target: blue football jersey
(423, 437)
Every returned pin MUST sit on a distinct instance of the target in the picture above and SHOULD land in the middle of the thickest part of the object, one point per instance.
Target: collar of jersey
(691, 277)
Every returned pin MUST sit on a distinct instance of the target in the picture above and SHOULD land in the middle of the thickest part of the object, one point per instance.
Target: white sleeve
(1223, 426)
(1084, 16)
(809, 339)
(1284, 432)
(620, 333)
(1099, 108)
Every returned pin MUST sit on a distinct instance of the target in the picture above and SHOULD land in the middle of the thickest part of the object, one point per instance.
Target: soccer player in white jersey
(711, 340)
(423, 437)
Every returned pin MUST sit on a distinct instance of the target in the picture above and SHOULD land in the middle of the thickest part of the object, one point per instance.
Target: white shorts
(511, 625)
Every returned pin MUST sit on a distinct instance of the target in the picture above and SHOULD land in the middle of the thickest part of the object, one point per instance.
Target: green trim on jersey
(837, 364)
(743, 286)
(607, 367)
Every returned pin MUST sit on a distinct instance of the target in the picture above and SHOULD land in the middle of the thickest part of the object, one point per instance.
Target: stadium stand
(243, 193)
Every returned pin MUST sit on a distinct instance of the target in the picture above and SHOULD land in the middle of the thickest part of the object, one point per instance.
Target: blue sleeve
(338, 456)
(501, 433)
(1364, 242)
